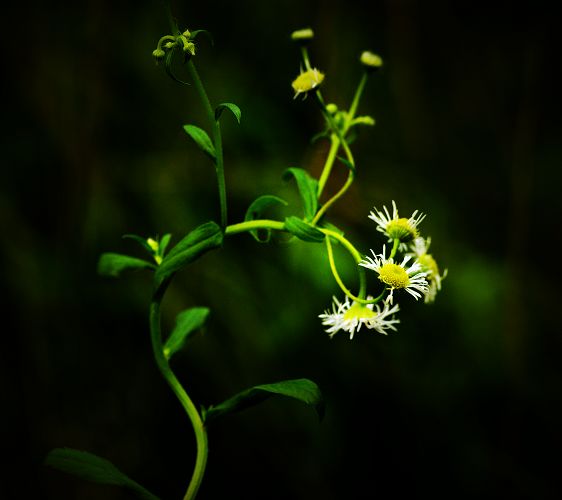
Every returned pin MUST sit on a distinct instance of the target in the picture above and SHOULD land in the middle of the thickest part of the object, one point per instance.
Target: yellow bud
(370, 60)
(302, 35)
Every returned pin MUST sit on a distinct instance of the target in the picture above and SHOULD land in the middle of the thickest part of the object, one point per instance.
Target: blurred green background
(463, 401)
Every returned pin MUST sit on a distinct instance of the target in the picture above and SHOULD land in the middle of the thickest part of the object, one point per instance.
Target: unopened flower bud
(302, 36)
(190, 48)
(331, 108)
(158, 53)
(370, 61)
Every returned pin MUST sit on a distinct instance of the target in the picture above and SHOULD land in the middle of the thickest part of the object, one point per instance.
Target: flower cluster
(416, 272)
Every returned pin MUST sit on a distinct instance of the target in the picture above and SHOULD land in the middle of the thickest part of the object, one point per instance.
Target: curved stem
(334, 198)
(181, 394)
(362, 290)
(217, 139)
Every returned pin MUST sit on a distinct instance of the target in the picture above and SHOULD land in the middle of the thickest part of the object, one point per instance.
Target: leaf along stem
(181, 394)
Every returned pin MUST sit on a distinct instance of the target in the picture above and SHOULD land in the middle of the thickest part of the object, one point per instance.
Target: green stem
(329, 163)
(181, 394)
(355, 102)
(362, 287)
(334, 198)
(217, 139)
(305, 58)
(394, 248)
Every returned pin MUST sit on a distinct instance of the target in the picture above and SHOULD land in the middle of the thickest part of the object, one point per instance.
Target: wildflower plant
(408, 266)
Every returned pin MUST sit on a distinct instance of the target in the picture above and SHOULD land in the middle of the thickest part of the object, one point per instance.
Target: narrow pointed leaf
(303, 230)
(196, 33)
(202, 139)
(347, 163)
(187, 323)
(233, 108)
(164, 241)
(255, 210)
(199, 241)
(301, 389)
(140, 240)
(308, 189)
(168, 66)
(113, 264)
(93, 468)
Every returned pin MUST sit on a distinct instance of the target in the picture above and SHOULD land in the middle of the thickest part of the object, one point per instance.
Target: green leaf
(187, 323)
(113, 264)
(257, 207)
(140, 240)
(347, 163)
(168, 66)
(93, 468)
(202, 139)
(194, 34)
(164, 241)
(308, 189)
(230, 106)
(303, 230)
(301, 389)
(199, 241)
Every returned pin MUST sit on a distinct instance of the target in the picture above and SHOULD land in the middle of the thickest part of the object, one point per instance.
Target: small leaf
(194, 34)
(230, 106)
(363, 120)
(303, 230)
(199, 241)
(202, 139)
(301, 389)
(187, 323)
(168, 66)
(347, 163)
(308, 189)
(141, 241)
(113, 264)
(93, 468)
(164, 241)
(320, 135)
(255, 209)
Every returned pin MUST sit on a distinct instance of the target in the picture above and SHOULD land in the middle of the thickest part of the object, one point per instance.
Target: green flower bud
(190, 48)
(158, 54)
(186, 34)
(370, 61)
(331, 108)
(304, 34)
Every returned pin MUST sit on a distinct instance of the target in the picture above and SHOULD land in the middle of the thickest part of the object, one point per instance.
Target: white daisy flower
(396, 276)
(396, 227)
(350, 317)
(420, 246)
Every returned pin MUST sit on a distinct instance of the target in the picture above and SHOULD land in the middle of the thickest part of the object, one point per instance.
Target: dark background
(464, 401)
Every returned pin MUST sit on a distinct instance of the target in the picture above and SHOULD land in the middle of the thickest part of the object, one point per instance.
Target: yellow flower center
(394, 275)
(358, 311)
(428, 264)
(307, 81)
(401, 229)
